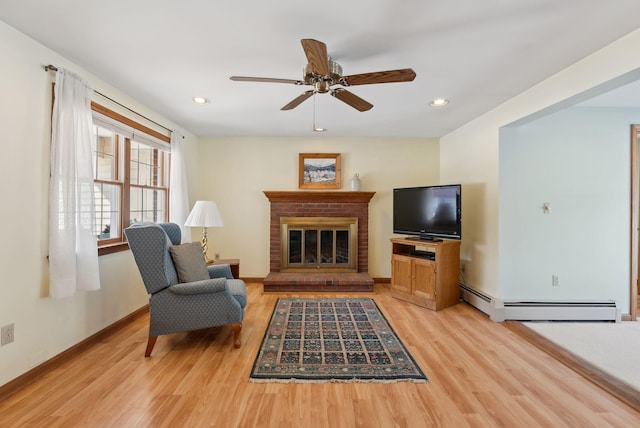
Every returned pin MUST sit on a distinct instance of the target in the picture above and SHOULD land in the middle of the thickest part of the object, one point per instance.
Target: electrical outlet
(555, 280)
(6, 334)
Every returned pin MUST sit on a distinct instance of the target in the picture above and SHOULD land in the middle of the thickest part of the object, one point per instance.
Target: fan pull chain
(315, 128)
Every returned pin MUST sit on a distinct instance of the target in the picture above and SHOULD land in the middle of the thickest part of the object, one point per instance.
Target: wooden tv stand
(425, 273)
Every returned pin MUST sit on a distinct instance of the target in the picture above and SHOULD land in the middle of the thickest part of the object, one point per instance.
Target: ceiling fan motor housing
(323, 83)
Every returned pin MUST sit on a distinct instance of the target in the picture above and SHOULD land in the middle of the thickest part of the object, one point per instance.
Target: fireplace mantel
(318, 196)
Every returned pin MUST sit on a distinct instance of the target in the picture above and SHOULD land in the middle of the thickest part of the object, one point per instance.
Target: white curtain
(73, 245)
(178, 190)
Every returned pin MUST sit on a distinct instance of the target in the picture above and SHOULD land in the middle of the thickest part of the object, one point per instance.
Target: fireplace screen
(319, 244)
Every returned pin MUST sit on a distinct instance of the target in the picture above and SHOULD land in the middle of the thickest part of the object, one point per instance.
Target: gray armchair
(173, 306)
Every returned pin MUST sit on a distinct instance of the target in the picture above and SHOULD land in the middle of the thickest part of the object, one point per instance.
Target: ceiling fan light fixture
(439, 102)
(200, 100)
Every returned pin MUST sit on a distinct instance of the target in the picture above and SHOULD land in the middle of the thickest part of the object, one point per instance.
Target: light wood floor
(480, 373)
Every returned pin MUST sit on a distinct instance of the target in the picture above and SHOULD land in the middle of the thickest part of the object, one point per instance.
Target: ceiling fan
(322, 73)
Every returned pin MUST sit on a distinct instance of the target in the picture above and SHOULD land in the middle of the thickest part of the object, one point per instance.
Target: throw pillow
(189, 262)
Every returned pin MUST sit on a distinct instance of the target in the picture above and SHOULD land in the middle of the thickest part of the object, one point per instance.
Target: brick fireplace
(288, 204)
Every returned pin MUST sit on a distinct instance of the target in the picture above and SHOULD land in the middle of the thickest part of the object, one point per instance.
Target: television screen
(430, 212)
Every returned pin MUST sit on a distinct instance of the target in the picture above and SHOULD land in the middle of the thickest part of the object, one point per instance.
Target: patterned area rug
(332, 340)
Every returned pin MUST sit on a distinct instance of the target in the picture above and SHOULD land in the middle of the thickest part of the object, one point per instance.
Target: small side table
(234, 264)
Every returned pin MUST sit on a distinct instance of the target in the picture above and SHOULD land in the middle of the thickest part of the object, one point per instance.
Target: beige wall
(470, 155)
(234, 172)
(45, 327)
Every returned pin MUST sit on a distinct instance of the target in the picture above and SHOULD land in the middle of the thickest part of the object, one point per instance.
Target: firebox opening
(319, 244)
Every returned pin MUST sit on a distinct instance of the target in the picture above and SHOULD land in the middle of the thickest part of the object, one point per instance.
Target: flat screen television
(429, 212)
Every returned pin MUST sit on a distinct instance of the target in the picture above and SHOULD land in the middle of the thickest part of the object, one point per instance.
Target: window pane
(163, 165)
(144, 165)
(147, 205)
(107, 200)
(104, 154)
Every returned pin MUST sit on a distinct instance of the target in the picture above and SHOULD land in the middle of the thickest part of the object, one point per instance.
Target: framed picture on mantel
(319, 170)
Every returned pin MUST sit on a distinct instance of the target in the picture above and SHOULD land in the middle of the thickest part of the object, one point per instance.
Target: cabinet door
(424, 277)
(401, 273)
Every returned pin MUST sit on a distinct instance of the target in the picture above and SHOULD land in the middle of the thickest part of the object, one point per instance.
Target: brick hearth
(290, 281)
(319, 204)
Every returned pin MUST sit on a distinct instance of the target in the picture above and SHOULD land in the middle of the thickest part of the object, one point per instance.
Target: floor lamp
(204, 214)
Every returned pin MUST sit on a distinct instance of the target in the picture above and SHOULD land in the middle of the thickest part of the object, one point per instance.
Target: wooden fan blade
(297, 101)
(316, 53)
(353, 100)
(403, 75)
(265, 79)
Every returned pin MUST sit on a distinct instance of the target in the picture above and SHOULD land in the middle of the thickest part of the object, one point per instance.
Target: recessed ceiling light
(439, 102)
(318, 129)
(200, 100)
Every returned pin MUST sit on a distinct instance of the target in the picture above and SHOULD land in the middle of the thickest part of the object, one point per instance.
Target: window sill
(112, 248)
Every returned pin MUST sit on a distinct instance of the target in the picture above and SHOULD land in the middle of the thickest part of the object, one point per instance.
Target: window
(131, 183)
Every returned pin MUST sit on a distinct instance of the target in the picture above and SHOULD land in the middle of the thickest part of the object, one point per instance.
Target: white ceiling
(477, 54)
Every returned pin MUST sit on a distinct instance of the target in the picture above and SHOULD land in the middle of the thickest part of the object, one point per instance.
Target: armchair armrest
(220, 271)
(214, 285)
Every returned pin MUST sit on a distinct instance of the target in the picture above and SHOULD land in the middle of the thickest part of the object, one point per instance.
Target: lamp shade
(204, 214)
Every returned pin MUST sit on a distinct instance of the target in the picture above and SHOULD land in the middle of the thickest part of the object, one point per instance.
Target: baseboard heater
(478, 300)
(502, 310)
